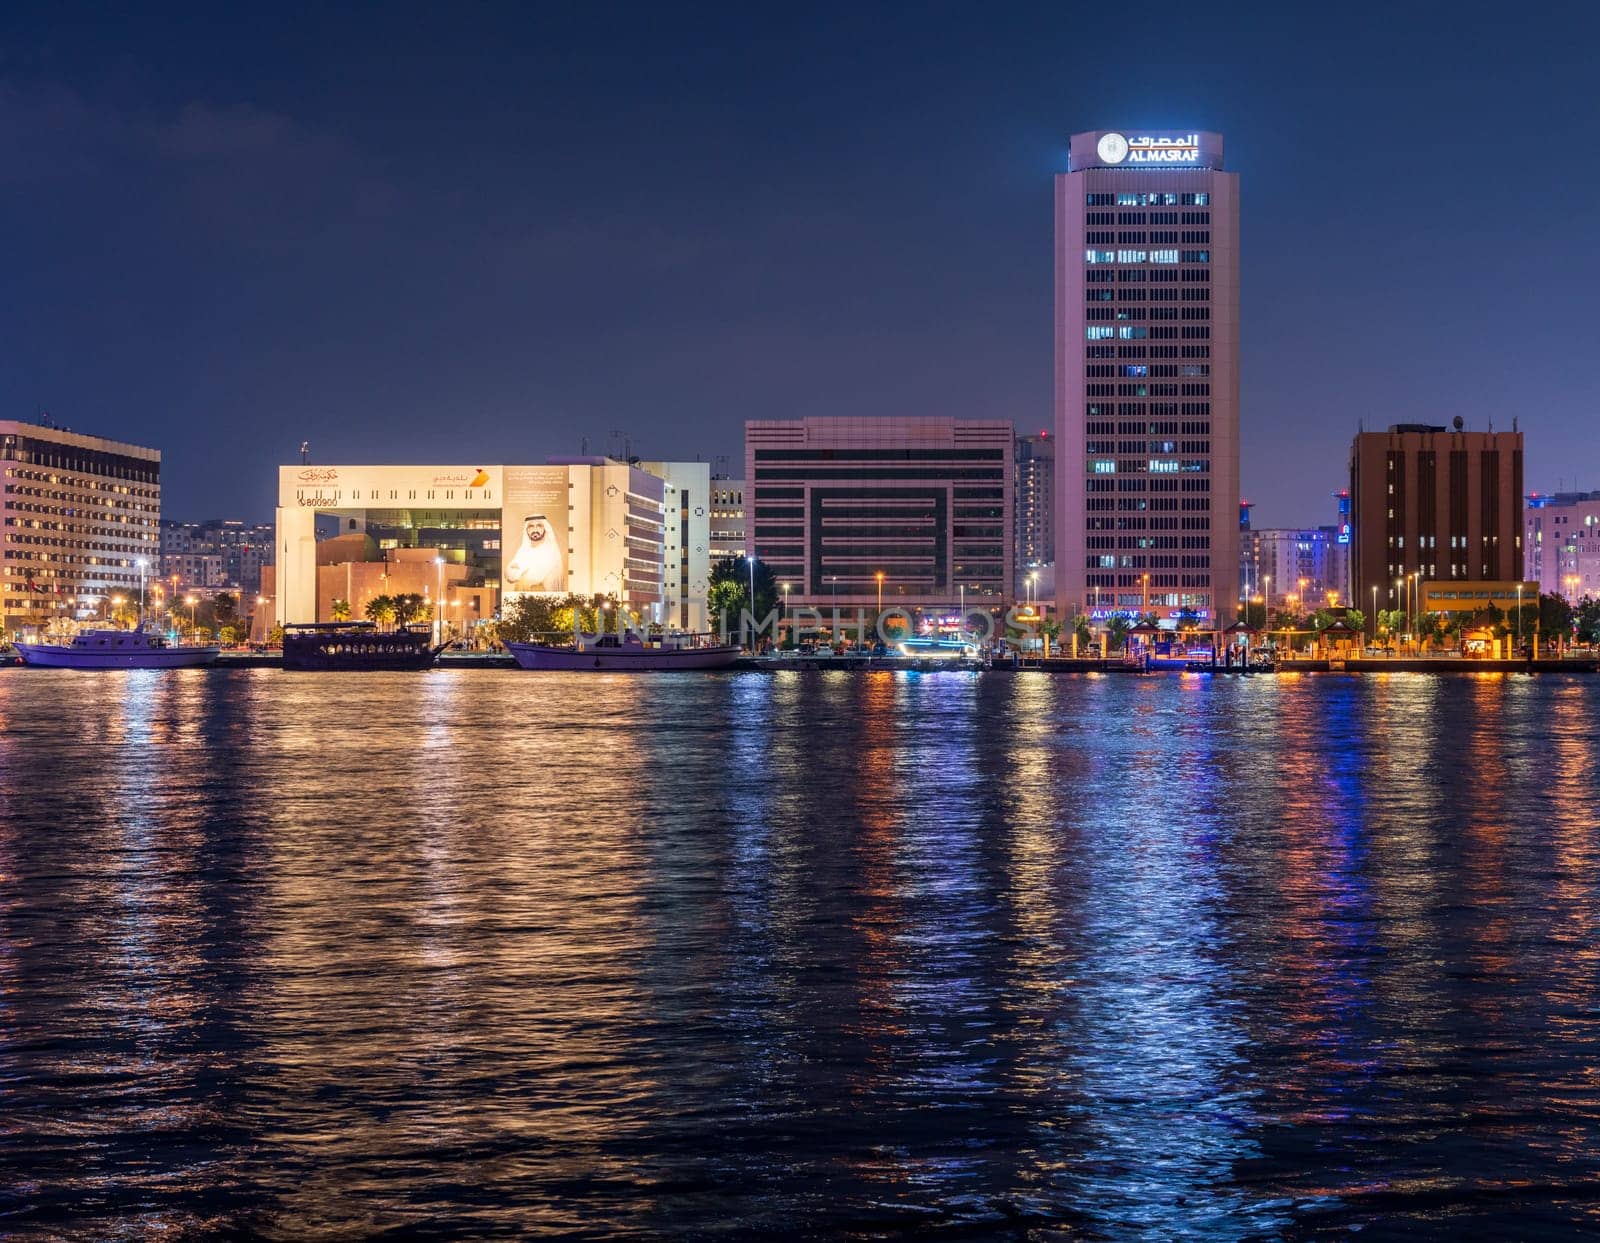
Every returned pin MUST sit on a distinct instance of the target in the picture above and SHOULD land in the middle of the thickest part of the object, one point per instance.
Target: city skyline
(666, 231)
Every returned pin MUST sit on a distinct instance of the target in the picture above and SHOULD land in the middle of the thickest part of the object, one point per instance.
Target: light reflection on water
(488, 953)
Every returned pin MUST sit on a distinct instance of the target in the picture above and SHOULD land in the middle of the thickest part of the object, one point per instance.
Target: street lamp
(1519, 619)
(191, 601)
(880, 591)
(1374, 613)
(143, 566)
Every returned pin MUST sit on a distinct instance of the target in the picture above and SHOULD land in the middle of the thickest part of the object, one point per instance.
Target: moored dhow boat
(115, 649)
(356, 646)
(624, 652)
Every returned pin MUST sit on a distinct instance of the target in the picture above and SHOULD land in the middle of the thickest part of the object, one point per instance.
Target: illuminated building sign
(1149, 149)
(1119, 149)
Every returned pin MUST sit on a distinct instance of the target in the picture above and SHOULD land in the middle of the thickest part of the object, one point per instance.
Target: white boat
(115, 649)
(625, 652)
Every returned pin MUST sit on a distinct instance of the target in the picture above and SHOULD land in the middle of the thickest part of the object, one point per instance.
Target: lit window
(1099, 256)
(1104, 467)
(1099, 332)
(1163, 256)
(1131, 256)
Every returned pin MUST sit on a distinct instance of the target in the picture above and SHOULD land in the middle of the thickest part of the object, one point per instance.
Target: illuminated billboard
(534, 531)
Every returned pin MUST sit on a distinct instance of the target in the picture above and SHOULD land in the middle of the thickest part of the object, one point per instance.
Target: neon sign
(1149, 149)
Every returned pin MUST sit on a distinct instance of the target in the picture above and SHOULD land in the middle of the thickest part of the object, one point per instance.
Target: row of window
(1143, 524)
(1162, 255)
(1161, 199)
(1139, 561)
(1138, 314)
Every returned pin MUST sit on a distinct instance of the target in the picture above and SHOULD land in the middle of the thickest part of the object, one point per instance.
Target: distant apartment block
(78, 515)
(1307, 562)
(923, 505)
(1443, 504)
(221, 553)
(1561, 543)
(1033, 499)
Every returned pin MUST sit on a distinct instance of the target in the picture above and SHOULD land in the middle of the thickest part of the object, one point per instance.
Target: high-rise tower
(1147, 376)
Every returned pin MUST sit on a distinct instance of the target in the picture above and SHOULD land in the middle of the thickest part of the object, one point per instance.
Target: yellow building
(1469, 598)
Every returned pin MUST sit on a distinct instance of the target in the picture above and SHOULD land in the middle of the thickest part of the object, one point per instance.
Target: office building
(727, 518)
(1033, 500)
(81, 520)
(592, 526)
(221, 553)
(1147, 376)
(921, 504)
(1561, 543)
(1436, 504)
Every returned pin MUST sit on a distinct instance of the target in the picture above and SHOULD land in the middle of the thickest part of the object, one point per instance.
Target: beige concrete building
(80, 518)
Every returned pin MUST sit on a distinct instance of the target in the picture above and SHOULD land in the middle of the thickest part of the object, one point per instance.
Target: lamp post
(143, 566)
(1519, 619)
(880, 591)
(1374, 613)
(786, 602)
(191, 601)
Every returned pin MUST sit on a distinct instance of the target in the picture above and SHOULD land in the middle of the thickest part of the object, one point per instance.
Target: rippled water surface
(889, 955)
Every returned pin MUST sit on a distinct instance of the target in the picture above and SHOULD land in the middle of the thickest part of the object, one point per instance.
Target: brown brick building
(1445, 504)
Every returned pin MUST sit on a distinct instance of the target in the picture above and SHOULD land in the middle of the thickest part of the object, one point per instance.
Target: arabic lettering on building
(1148, 149)
(318, 474)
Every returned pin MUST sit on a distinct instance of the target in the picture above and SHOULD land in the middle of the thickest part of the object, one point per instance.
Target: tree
(1080, 628)
(381, 609)
(531, 618)
(1355, 619)
(1588, 620)
(275, 636)
(1188, 619)
(341, 610)
(734, 597)
(410, 607)
(1254, 615)
(1555, 616)
(1117, 633)
(1391, 621)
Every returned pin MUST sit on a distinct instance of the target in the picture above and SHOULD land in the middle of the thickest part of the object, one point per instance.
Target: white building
(590, 526)
(727, 518)
(80, 517)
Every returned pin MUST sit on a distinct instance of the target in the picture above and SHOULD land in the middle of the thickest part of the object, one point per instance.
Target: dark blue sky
(479, 233)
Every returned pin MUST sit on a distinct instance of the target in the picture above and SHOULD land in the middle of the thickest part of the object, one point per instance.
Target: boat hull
(622, 660)
(54, 656)
(369, 653)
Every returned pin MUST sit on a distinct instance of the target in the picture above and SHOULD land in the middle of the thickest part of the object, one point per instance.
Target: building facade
(590, 526)
(686, 534)
(921, 505)
(1033, 500)
(81, 519)
(1307, 562)
(727, 518)
(221, 553)
(1147, 376)
(1561, 543)
(1439, 504)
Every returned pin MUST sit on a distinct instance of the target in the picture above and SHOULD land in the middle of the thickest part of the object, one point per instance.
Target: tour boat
(115, 649)
(625, 652)
(356, 646)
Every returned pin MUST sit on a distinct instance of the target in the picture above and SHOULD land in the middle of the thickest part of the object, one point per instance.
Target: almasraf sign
(1164, 149)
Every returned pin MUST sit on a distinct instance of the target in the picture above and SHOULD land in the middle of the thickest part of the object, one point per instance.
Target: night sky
(479, 233)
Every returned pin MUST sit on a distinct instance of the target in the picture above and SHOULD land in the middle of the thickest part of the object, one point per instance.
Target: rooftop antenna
(305, 453)
(584, 451)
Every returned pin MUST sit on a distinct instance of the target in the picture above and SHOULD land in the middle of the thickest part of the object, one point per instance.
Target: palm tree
(341, 610)
(381, 609)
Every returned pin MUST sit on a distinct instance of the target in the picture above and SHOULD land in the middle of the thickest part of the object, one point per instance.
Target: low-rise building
(727, 518)
(1561, 543)
(219, 553)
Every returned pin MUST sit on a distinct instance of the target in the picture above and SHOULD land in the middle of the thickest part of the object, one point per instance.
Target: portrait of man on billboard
(538, 564)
